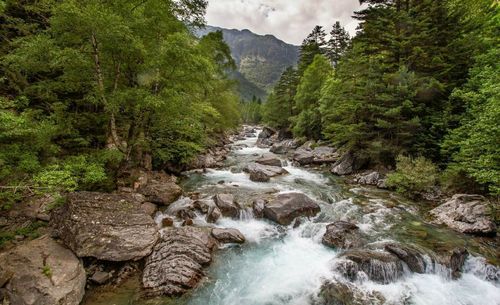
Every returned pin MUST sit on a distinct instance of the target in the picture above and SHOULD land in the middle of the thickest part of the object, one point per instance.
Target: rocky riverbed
(263, 228)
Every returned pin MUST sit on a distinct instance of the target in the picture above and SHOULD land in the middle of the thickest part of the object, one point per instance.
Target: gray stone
(412, 257)
(284, 208)
(258, 207)
(100, 277)
(467, 214)
(110, 227)
(228, 236)
(269, 160)
(42, 272)
(284, 146)
(149, 208)
(227, 205)
(177, 262)
(159, 188)
(262, 173)
(342, 234)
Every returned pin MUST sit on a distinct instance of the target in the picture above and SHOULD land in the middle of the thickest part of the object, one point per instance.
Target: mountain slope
(260, 59)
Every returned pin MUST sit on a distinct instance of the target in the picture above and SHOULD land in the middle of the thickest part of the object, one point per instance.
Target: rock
(297, 223)
(303, 156)
(213, 214)
(467, 214)
(342, 234)
(372, 178)
(412, 257)
(336, 292)
(110, 227)
(187, 222)
(258, 207)
(183, 208)
(228, 236)
(284, 146)
(177, 262)
(167, 222)
(149, 208)
(227, 205)
(454, 260)
(100, 277)
(269, 160)
(284, 208)
(346, 165)
(159, 188)
(34, 207)
(325, 154)
(381, 267)
(266, 133)
(42, 272)
(262, 173)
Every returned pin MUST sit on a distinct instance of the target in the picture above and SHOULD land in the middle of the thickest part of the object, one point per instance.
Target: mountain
(260, 58)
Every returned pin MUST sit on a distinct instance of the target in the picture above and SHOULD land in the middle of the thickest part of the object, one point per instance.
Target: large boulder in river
(227, 205)
(177, 262)
(345, 293)
(284, 208)
(347, 164)
(411, 256)
(467, 214)
(42, 272)
(158, 188)
(303, 156)
(110, 227)
(227, 236)
(263, 173)
(379, 266)
(269, 160)
(342, 234)
(284, 146)
(266, 133)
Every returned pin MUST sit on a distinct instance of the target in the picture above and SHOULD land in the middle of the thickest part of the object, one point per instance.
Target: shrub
(413, 176)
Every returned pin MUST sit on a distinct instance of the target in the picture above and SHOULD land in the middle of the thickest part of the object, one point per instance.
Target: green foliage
(251, 111)
(30, 231)
(47, 271)
(413, 176)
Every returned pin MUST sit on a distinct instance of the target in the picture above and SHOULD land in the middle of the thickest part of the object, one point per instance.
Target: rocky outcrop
(227, 236)
(342, 234)
(284, 208)
(284, 146)
(379, 266)
(347, 165)
(412, 257)
(337, 292)
(269, 160)
(263, 173)
(42, 272)
(110, 227)
(177, 262)
(467, 214)
(227, 205)
(158, 187)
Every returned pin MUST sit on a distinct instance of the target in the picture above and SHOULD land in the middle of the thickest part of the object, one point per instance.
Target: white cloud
(289, 20)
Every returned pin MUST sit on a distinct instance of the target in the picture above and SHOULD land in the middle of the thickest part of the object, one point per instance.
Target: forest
(142, 160)
(418, 86)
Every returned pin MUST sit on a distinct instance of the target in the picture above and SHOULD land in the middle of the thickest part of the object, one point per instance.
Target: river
(285, 265)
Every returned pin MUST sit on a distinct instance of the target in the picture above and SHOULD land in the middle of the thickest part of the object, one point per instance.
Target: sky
(289, 20)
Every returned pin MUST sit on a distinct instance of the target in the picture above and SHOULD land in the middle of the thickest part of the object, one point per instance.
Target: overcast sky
(289, 20)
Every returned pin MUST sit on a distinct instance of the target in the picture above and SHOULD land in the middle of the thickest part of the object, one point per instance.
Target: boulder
(379, 266)
(258, 207)
(263, 173)
(110, 227)
(454, 259)
(412, 257)
(284, 208)
(342, 234)
(266, 133)
(227, 205)
(372, 178)
(346, 165)
(42, 272)
(208, 207)
(269, 160)
(149, 208)
(183, 208)
(159, 188)
(345, 293)
(284, 146)
(227, 236)
(303, 156)
(467, 214)
(177, 262)
(325, 154)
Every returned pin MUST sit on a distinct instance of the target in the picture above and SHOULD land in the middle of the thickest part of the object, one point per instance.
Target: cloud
(289, 20)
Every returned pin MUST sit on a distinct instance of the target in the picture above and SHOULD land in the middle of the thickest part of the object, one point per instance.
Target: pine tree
(338, 43)
(314, 44)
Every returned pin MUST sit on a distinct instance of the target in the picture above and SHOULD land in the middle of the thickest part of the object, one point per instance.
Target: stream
(281, 265)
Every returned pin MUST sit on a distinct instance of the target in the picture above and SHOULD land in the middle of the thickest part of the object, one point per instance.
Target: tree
(308, 121)
(278, 108)
(314, 44)
(338, 43)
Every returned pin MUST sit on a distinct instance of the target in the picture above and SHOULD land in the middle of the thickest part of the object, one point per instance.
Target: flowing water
(284, 265)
